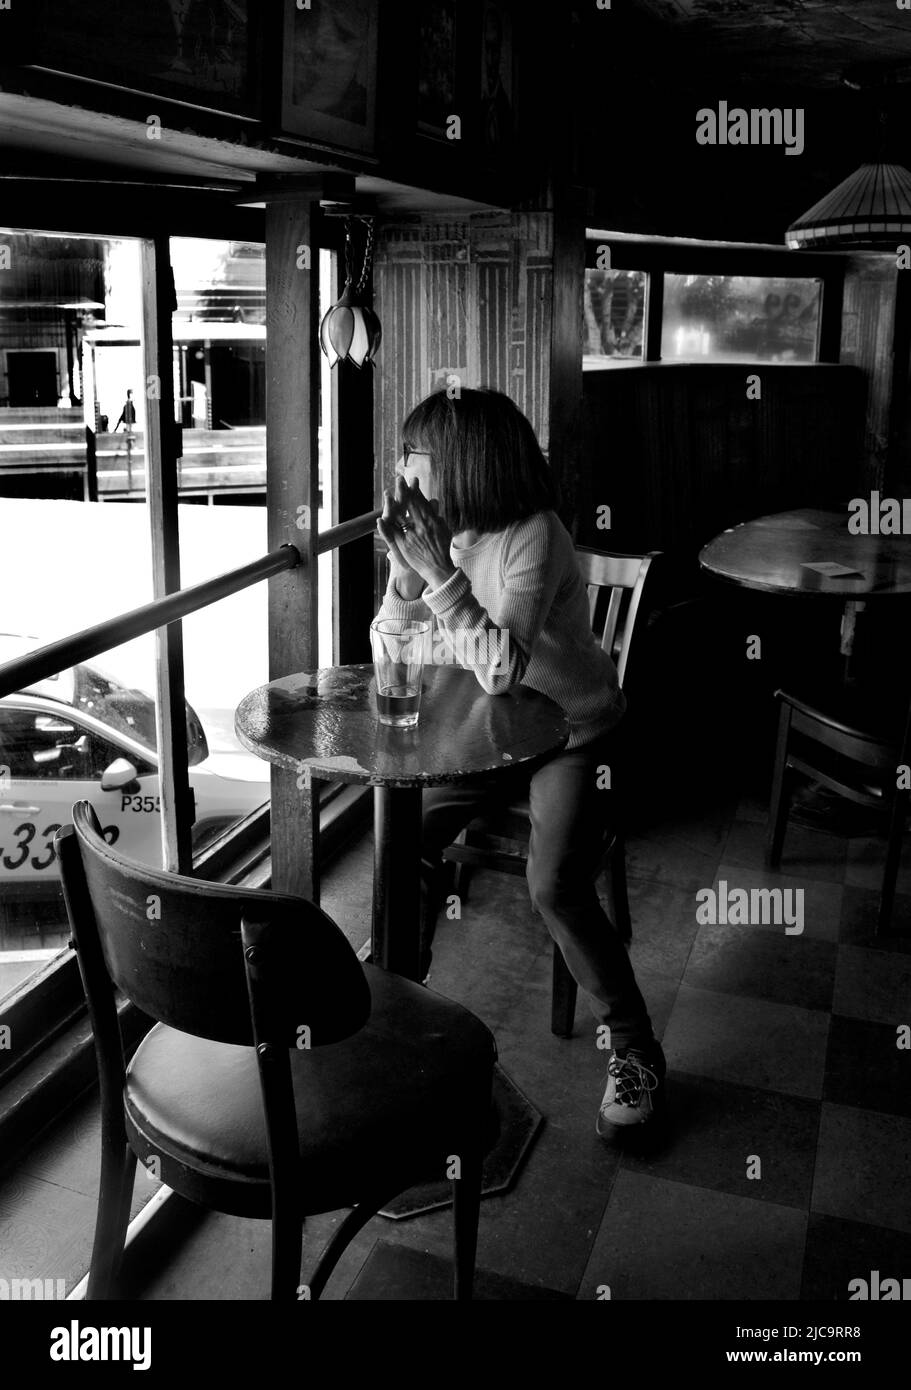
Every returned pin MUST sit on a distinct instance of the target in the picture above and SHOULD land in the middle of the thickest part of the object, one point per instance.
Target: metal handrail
(91, 641)
(346, 531)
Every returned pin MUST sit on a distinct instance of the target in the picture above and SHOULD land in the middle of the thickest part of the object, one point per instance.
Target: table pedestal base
(396, 942)
(519, 1122)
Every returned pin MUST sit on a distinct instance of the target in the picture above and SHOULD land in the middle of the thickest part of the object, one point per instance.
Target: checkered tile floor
(783, 1064)
(788, 1167)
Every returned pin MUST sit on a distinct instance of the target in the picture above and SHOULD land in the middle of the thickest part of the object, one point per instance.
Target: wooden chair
(234, 1091)
(615, 585)
(854, 745)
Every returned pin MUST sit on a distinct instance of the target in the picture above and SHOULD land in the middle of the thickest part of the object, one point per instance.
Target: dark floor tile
(865, 862)
(839, 1252)
(672, 862)
(807, 853)
(872, 985)
(864, 1067)
(659, 992)
(863, 1167)
(542, 1232)
(673, 1240)
(776, 1047)
(754, 806)
(717, 1129)
(821, 900)
(688, 824)
(763, 964)
(859, 921)
(664, 926)
(393, 1273)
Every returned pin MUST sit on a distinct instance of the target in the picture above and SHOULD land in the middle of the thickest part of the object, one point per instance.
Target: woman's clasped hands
(417, 538)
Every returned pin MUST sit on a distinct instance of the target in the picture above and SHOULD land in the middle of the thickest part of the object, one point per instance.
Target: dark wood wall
(679, 453)
(867, 340)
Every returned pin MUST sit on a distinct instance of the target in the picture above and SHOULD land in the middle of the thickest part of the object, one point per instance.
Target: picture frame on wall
(497, 98)
(329, 73)
(440, 76)
(196, 51)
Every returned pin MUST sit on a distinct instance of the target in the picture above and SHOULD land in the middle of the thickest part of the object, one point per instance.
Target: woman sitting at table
(475, 544)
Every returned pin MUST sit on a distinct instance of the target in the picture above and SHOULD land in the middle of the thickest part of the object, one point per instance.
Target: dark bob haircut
(487, 464)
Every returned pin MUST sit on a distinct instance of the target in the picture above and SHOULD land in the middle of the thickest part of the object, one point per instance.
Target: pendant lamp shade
(871, 209)
(350, 330)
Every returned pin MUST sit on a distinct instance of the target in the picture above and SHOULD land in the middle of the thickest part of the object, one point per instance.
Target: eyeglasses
(407, 451)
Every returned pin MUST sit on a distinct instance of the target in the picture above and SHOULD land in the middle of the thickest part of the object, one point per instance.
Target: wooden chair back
(175, 946)
(615, 585)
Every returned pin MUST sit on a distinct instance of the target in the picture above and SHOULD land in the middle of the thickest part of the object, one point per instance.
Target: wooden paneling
(472, 298)
(679, 452)
(868, 327)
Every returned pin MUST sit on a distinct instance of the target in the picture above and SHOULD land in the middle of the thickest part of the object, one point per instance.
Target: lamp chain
(368, 255)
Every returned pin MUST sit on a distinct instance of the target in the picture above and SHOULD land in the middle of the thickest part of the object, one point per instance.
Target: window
(739, 318)
(614, 315)
(663, 299)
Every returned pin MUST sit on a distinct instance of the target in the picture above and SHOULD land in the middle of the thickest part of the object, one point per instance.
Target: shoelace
(632, 1077)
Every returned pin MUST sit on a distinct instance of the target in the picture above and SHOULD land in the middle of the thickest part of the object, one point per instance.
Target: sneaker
(635, 1090)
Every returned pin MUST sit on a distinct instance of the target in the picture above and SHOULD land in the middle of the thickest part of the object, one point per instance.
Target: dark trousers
(570, 817)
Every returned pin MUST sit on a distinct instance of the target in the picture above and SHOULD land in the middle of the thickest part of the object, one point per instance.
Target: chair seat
(386, 1101)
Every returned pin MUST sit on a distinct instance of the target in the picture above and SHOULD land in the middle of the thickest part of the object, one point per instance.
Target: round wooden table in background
(772, 554)
(323, 725)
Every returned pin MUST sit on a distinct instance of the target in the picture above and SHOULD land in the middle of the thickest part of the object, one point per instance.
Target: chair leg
(466, 1208)
(893, 856)
(352, 1223)
(287, 1240)
(461, 878)
(778, 805)
(115, 1194)
(563, 997)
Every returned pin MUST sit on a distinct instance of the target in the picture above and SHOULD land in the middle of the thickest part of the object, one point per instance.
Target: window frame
(659, 256)
(48, 1002)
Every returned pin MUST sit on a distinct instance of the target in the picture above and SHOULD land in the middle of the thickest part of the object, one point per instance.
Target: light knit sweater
(525, 582)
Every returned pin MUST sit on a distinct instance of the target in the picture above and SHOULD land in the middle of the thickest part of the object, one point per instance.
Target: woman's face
(415, 466)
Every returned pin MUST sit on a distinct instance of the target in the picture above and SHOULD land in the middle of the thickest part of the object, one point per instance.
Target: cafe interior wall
(465, 304)
(642, 170)
(496, 301)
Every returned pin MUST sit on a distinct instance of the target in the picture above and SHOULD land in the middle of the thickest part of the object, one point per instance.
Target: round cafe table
(812, 552)
(323, 725)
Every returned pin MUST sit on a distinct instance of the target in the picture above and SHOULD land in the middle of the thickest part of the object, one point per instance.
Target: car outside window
(55, 746)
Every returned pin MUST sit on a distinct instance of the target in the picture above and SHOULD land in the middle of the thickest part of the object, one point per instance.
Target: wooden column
(896, 478)
(292, 404)
(162, 451)
(351, 414)
(567, 319)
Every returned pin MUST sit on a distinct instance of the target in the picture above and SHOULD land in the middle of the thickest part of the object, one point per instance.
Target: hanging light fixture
(871, 209)
(350, 330)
